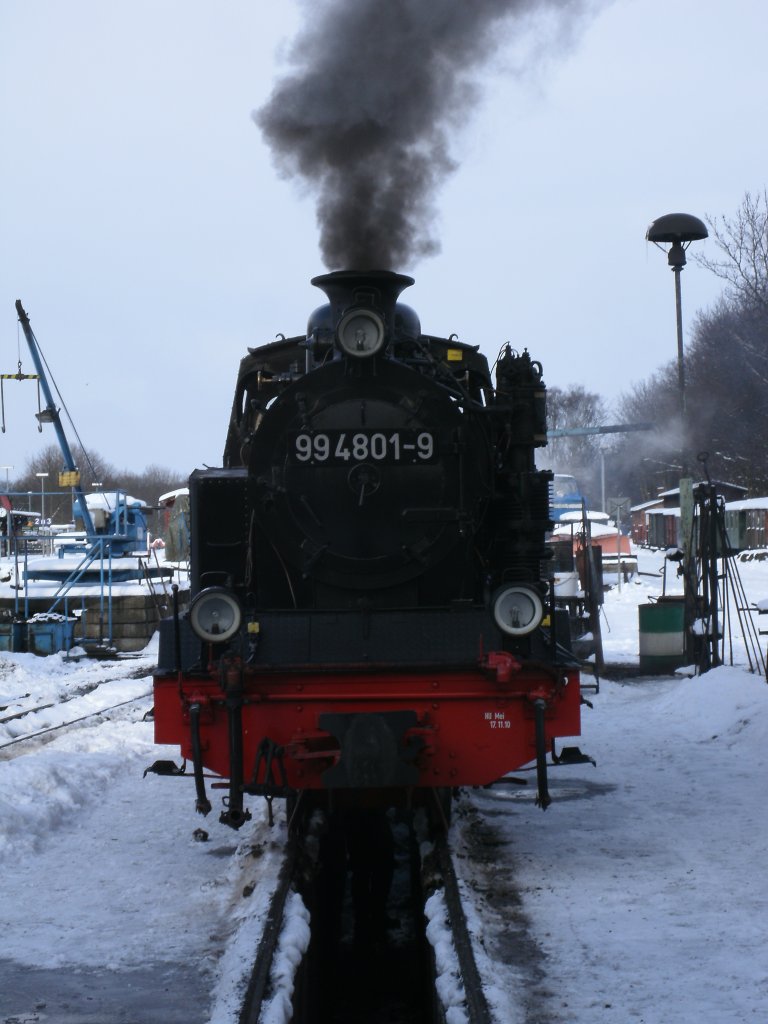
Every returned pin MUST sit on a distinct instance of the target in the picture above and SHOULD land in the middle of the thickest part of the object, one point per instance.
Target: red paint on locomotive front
(474, 726)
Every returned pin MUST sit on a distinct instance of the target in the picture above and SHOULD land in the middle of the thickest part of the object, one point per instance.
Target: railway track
(137, 673)
(476, 1005)
(416, 967)
(18, 745)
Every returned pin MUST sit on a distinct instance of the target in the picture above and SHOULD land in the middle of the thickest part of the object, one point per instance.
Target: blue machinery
(120, 529)
(50, 414)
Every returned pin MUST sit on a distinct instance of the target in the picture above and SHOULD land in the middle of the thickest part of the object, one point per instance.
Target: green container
(662, 635)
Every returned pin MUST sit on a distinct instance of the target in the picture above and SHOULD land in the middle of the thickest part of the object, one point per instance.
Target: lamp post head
(677, 230)
(676, 256)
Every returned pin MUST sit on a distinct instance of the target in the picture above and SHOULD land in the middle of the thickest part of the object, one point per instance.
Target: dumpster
(13, 635)
(49, 633)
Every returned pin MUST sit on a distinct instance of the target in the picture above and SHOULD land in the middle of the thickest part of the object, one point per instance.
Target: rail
(36, 734)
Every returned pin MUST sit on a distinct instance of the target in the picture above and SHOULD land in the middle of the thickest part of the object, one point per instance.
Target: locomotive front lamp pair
(216, 615)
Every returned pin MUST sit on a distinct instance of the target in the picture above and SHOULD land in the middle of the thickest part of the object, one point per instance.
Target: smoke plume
(365, 116)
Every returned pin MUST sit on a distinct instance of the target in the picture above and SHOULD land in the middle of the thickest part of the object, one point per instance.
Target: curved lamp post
(677, 230)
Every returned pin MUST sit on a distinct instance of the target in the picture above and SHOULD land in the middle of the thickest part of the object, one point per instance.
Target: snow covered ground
(643, 894)
(106, 896)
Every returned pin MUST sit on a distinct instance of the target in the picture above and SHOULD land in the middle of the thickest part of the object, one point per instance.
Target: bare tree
(743, 243)
(152, 482)
(95, 473)
(573, 408)
(728, 358)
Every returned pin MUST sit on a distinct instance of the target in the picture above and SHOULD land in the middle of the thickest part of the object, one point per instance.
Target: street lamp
(7, 471)
(42, 477)
(677, 230)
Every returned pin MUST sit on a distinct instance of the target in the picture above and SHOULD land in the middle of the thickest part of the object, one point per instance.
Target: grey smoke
(366, 116)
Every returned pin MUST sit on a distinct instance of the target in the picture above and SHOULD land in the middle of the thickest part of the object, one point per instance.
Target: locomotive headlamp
(215, 615)
(361, 333)
(517, 610)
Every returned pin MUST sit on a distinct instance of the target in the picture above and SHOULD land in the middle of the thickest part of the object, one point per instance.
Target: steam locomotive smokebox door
(218, 509)
(366, 479)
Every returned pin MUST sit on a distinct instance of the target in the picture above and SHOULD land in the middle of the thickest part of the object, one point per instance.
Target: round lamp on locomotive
(517, 610)
(361, 333)
(215, 615)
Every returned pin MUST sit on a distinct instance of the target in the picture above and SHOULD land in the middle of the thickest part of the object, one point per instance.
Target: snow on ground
(642, 895)
(101, 872)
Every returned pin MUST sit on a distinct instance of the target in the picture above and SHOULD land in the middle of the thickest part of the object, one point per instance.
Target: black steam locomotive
(370, 614)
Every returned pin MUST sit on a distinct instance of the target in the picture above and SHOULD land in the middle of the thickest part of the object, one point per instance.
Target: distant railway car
(639, 516)
(370, 616)
(746, 523)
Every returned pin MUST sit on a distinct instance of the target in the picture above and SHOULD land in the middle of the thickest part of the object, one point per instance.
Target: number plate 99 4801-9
(340, 447)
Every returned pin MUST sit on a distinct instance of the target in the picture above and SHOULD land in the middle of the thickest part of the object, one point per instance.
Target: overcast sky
(151, 240)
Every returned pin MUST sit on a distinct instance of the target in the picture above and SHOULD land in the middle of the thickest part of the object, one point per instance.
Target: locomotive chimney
(378, 289)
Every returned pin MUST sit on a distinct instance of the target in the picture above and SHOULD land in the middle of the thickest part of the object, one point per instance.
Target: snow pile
(293, 944)
(43, 793)
(252, 879)
(448, 982)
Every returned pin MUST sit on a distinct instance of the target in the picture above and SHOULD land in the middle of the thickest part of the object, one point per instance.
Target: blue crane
(50, 414)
